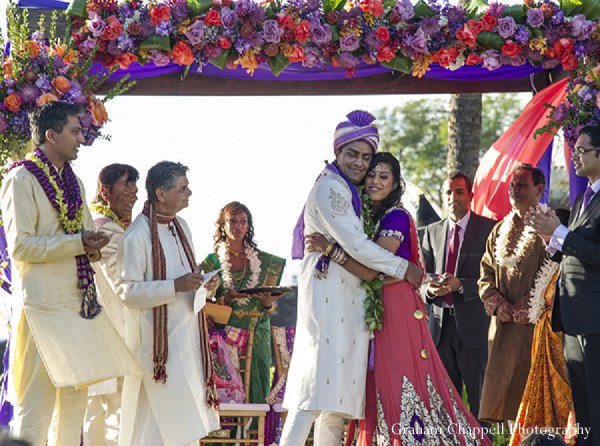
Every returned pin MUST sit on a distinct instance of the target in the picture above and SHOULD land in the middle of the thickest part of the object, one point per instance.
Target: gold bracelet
(328, 249)
(271, 309)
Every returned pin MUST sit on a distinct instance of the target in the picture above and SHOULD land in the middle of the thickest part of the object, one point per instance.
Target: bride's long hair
(393, 199)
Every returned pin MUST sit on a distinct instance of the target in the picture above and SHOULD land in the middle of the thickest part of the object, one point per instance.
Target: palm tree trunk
(464, 133)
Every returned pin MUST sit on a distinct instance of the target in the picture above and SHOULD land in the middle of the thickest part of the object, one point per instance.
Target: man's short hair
(592, 132)
(163, 175)
(455, 175)
(112, 173)
(51, 116)
(536, 173)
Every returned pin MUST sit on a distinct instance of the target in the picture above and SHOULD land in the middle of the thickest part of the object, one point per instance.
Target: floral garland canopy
(106, 36)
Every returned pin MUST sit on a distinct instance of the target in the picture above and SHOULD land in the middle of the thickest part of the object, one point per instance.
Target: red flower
(212, 18)
(446, 56)
(126, 59)
(134, 29)
(385, 54)
(375, 7)
(467, 35)
(160, 14)
(182, 54)
(284, 20)
(548, 10)
(224, 43)
(473, 59)
(569, 61)
(489, 21)
(475, 26)
(113, 29)
(382, 34)
(563, 46)
(297, 54)
(302, 31)
(511, 49)
(13, 102)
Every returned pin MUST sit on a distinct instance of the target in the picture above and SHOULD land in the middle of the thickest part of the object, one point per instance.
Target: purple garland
(68, 183)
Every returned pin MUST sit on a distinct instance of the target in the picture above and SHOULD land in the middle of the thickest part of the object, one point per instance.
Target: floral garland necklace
(501, 255)
(253, 261)
(537, 303)
(104, 209)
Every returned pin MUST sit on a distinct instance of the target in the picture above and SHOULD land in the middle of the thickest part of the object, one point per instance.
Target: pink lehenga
(410, 400)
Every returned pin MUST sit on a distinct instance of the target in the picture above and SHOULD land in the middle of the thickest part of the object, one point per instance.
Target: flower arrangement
(581, 107)
(395, 33)
(43, 68)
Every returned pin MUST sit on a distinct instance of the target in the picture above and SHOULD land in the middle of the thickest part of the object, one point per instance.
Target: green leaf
(273, 8)
(162, 43)
(591, 9)
(422, 9)
(517, 12)
(389, 4)
(77, 8)
(333, 5)
(335, 33)
(400, 63)
(278, 64)
(536, 32)
(220, 61)
(476, 8)
(570, 7)
(490, 40)
(198, 7)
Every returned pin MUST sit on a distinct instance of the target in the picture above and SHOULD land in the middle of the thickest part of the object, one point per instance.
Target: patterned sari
(249, 311)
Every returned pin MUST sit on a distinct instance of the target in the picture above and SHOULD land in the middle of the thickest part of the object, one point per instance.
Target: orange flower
(297, 54)
(302, 31)
(160, 14)
(475, 26)
(126, 59)
(45, 99)
(13, 102)
(385, 54)
(7, 68)
(32, 48)
(182, 54)
(61, 84)
(67, 56)
(99, 115)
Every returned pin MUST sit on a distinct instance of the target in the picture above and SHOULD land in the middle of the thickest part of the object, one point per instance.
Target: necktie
(451, 258)
(587, 196)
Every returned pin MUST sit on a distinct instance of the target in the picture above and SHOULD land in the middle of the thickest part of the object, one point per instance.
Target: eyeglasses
(579, 151)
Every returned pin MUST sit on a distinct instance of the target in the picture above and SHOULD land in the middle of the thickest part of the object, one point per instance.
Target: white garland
(501, 249)
(253, 261)
(537, 303)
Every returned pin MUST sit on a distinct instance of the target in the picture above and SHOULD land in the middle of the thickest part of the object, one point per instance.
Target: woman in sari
(409, 398)
(243, 266)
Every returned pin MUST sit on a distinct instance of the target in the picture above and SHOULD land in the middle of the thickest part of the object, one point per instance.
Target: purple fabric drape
(298, 233)
(545, 164)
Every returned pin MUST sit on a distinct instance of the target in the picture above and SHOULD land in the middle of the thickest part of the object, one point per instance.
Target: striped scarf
(161, 342)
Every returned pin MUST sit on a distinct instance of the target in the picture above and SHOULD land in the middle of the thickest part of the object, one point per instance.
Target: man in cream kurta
(176, 412)
(54, 351)
(326, 380)
(111, 210)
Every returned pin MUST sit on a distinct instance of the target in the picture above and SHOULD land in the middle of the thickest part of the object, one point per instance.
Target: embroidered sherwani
(510, 356)
(329, 361)
(175, 413)
(103, 413)
(51, 345)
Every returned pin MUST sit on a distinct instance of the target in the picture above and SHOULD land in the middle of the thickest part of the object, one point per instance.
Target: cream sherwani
(103, 413)
(175, 413)
(329, 362)
(53, 349)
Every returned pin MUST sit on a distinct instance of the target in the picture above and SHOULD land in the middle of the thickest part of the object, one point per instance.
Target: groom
(326, 381)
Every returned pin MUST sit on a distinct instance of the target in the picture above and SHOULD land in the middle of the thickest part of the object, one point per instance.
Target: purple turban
(358, 127)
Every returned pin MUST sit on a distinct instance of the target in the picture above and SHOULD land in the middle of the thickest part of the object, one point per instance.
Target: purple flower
(125, 11)
(405, 9)
(164, 29)
(549, 64)
(95, 24)
(506, 27)
(349, 42)
(560, 113)
(418, 42)
(496, 9)
(113, 49)
(372, 42)
(20, 123)
(429, 25)
(179, 10)
(75, 97)
(455, 15)
(125, 43)
(348, 61)
(29, 94)
(271, 31)
(522, 35)
(320, 34)
(229, 18)
(535, 17)
(558, 18)
(195, 32)
(491, 59)
(10, 82)
(87, 46)
(43, 83)
(582, 28)
(212, 52)
(3, 124)
(158, 58)
(311, 57)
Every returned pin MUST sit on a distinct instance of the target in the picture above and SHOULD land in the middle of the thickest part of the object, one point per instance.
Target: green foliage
(278, 64)
(417, 132)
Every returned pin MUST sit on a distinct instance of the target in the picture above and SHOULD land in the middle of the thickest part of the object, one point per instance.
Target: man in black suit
(576, 309)
(459, 325)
